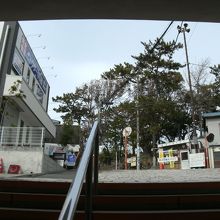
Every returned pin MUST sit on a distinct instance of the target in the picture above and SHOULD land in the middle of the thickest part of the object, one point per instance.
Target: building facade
(212, 122)
(24, 90)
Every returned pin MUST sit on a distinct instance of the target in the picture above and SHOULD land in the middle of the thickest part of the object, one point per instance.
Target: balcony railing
(18, 137)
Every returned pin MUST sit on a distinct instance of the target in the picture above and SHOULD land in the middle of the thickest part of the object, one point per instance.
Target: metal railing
(13, 137)
(85, 172)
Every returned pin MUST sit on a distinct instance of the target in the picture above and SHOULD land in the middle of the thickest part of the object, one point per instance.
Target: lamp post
(126, 151)
(183, 30)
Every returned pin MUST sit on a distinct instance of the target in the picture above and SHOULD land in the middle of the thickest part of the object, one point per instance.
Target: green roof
(211, 114)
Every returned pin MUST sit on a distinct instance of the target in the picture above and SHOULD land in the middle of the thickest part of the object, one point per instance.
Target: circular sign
(127, 131)
(210, 137)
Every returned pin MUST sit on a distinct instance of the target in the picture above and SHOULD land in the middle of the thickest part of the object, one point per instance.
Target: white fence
(15, 137)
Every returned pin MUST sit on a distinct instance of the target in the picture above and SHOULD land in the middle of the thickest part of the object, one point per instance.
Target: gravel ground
(136, 176)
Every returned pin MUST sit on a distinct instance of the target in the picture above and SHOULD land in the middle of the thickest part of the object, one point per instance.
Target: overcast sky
(81, 50)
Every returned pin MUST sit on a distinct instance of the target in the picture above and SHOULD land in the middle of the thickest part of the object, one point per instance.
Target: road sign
(127, 131)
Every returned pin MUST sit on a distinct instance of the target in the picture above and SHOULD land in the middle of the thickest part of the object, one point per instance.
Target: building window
(33, 84)
(28, 76)
(18, 63)
(22, 123)
(39, 94)
(184, 155)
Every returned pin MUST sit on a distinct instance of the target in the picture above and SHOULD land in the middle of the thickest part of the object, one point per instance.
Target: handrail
(70, 204)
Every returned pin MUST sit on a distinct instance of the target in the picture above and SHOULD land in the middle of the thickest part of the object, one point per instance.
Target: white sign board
(167, 159)
(50, 148)
(132, 161)
(197, 160)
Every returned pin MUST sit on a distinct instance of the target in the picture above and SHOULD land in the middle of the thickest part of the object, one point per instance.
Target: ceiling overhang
(187, 10)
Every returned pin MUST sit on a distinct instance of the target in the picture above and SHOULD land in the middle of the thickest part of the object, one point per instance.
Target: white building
(27, 106)
(212, 122)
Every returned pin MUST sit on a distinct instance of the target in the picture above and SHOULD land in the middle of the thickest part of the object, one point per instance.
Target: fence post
(23, 134)
(17, 139)
(42, 137)
(2, 134)
(31, 136)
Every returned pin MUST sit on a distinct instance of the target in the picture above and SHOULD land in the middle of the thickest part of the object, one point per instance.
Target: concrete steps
(21, 199)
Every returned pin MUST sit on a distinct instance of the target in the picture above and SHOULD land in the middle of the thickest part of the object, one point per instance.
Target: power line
(192, 32)
(158, 41)
(207, 66)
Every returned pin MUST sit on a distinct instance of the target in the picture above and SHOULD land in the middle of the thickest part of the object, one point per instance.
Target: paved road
(149, 176)
(141, 176)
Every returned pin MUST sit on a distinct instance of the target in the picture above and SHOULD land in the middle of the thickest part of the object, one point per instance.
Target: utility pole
(184, 30)
(138, 125)
(126, 151)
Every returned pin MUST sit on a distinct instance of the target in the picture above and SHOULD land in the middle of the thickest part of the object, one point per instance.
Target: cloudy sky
(73, 52)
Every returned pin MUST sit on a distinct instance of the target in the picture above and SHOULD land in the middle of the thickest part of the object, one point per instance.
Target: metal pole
(126, 151)
(96, 162)
(42, 136)
(183, 30)
(116, 160)
(206, 152)
(138, 125)
(88, 193)
(2, 134)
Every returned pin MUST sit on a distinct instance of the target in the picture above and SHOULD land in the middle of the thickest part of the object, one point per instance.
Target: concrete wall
(11, 116)
(214, 127)
(7, 46)
(30, 101)
(31, 161)
(50, 166)
(1, 28)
